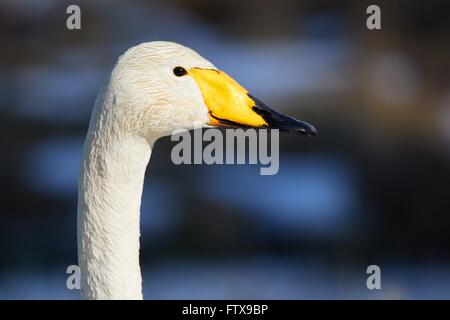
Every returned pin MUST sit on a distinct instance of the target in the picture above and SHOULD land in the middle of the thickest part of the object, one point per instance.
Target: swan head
(160, 87)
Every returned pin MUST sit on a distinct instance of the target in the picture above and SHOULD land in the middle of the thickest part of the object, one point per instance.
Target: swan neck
(110, 190)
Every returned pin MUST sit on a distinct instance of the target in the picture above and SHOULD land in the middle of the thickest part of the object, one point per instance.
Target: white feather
(141, 102)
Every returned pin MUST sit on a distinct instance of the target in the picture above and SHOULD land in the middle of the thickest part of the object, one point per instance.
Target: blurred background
(372, 189)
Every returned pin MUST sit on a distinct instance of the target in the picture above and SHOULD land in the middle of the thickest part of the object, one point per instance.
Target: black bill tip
(305, 128)
(292, 125)
(277, 120)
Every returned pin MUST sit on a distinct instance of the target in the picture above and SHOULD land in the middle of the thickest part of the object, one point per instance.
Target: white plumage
(154, 89)
(141, 102)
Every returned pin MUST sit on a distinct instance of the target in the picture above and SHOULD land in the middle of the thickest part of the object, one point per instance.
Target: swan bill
(229, 104)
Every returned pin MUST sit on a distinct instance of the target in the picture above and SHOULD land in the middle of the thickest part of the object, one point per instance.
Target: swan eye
(179, 71)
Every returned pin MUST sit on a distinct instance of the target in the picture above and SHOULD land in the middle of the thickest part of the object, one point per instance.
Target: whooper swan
(154, 89)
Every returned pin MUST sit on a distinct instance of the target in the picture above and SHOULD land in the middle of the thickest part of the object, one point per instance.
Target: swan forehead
(163, 53)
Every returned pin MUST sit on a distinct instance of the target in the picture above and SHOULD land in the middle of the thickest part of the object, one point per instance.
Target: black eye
(179, 71)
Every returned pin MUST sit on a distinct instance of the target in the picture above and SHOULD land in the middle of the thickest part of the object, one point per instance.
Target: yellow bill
(229, 104)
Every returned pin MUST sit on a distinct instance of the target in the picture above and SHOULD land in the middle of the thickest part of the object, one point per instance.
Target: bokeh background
(372, 189)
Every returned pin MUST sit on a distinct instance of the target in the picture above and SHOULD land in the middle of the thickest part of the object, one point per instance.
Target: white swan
(155, 88)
